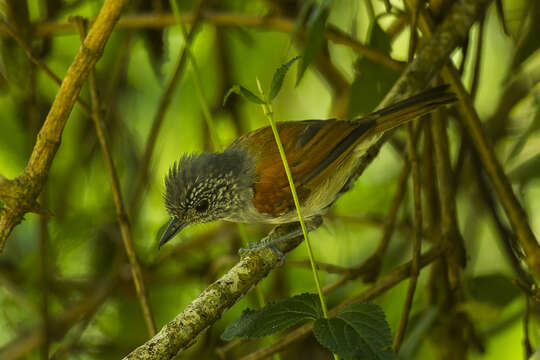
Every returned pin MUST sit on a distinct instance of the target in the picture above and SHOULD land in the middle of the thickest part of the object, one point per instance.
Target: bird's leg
(279, 239)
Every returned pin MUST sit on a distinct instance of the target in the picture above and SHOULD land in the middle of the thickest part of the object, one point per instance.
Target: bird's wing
(313, 148)
(317, 148)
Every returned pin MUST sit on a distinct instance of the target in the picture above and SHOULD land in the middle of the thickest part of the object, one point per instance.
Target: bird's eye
(202, 206)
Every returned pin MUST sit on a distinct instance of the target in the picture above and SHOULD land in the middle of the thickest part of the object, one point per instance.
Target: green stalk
(197, 79)
(267, 109)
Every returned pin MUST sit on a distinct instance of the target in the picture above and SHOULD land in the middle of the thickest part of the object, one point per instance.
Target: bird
(247, 182)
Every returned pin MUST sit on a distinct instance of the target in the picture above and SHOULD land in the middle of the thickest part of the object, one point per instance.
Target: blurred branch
(515, 212)
(142, 174)
(417, 198)
(495, 171)
(123, 220)
(430, 59)
(417, 234)
(59, 325)
(19, 195)
(28, 50)
(374, 262)
(333, 34)
(450, 233)
(44, 280)
(329, 268)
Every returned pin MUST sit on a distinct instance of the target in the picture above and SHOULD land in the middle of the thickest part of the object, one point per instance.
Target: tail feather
(410, 108)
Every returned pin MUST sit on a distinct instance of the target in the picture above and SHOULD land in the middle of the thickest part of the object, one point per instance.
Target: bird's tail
(410, 108)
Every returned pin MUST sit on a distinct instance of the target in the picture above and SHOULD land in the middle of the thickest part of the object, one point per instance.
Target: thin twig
(142, 174)
(478, 58)
(417, 237)
(329, 268)
(123, 220)
(40, 64)
(449, 225)
(160, 20)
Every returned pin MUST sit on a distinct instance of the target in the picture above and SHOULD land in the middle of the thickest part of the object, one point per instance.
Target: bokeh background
(70, 267)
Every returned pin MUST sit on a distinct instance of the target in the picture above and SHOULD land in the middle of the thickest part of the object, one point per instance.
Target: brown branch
(417, 199)
(515, 212)
(329, 268)
(161, 20)
(123, 220)
(374, 262)
(19, 195)
(449, 224)
(417, 238)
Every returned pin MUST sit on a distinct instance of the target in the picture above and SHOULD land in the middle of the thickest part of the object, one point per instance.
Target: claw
(266, 242)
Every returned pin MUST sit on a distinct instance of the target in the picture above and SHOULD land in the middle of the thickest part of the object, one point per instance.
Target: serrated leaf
(372, 81)
(277, 79)
(274, 317)
(245, 93)
(314, 39)
(360, 331)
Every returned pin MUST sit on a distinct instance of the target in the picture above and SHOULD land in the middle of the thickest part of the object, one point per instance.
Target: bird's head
(203, 187)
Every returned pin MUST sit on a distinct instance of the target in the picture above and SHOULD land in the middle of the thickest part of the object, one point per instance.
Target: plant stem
(267, 109)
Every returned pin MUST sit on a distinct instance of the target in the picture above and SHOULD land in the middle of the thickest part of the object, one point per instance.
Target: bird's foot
(266, 242)
(278, 239)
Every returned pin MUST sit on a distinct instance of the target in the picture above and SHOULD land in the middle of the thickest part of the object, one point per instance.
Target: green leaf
(522, 140)
(372, 81)
(245, 93)
(529, 41)
(528, 170)
(360, 331)
(379, 39)
(274, 317)
(314, 40)
(493, 289)
(277, 79)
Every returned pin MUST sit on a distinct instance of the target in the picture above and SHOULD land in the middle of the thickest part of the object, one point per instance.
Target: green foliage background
(83, 241)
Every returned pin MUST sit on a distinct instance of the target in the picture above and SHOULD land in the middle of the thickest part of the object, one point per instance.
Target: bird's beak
(174, 228)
